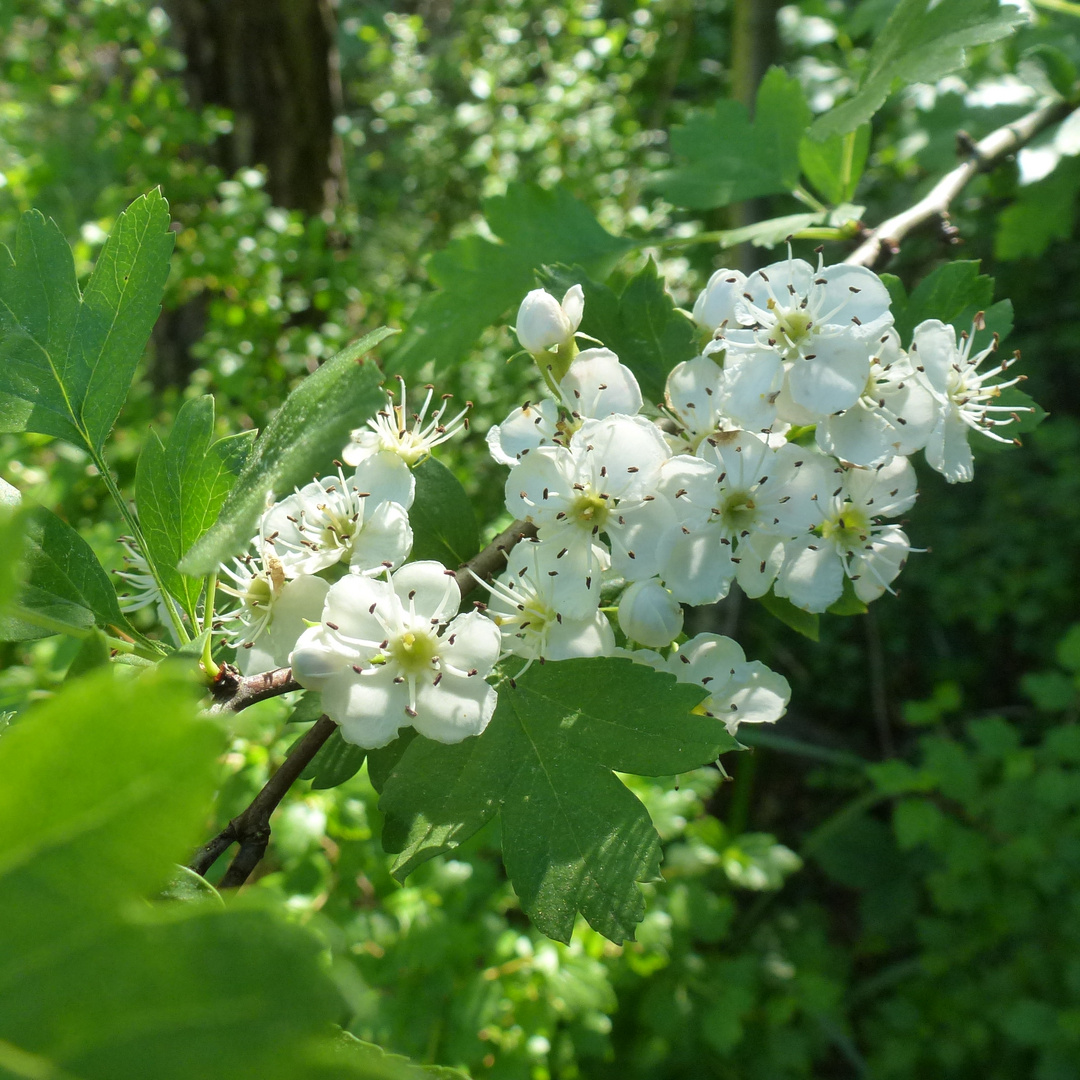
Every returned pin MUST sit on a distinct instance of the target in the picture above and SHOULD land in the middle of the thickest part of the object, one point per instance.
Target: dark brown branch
(233, 692)
(251, 829)
(982, 156)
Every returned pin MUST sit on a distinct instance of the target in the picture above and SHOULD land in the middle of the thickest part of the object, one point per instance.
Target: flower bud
(543, 323)
(649, 614)
(715, 305)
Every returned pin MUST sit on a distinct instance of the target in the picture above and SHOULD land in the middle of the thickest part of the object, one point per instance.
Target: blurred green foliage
(888, 892)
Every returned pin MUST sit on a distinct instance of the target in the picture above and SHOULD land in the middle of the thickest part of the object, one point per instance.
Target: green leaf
(180, 487)
(65, 581)
(12, 543)
(922, 42)
(1043, 212)
(953, 290)
(849, 603)
(727, 158)
(442, 518)
(804, 622)
(641, 324)
(1055, 66)
(305, 435)
(481, 281)
(574, 837)
(307, 709)
(835, 165)
(105, 786)
(93, 653)
(336, 762)
(67, 360)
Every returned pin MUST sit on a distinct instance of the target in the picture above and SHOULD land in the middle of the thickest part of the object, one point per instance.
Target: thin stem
(57, 626)
(183, 637)
(984, 155)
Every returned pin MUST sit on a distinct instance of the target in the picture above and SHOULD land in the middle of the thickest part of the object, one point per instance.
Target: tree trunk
(274, 65)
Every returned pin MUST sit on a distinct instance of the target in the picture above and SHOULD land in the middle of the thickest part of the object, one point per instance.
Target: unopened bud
(649, 614)
(544, 324)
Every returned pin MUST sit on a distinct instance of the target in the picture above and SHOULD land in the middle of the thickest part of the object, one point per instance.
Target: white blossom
(649, 614)
(821, 326)
(851, 541)
(525, 606)
(273, 612)
(361, 520)
(393, 653)
(894, 415)
(544, 324)
(714, 308)
(963, 396)
(737, 504)
(596, 385)
(601, 485)
(740, 691)
(390, 431)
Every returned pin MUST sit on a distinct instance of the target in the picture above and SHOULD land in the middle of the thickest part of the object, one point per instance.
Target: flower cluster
(777, 461)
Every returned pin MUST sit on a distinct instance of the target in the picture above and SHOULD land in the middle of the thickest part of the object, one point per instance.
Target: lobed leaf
(67, 359)
(728, 158)
(305, 435)
(336, 762)
(923, 41)
(180, 487)
(480, 281)
(575, 839)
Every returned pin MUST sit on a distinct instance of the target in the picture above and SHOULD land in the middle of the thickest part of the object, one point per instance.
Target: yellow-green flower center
(258, 593)
(794, 325)
(738, 512)
(848, 529)
(589, 510)
(414, 650)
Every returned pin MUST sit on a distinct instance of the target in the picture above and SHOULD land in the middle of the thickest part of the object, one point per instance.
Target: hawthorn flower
(649, 614)
(595, 385)
(894, 414)
(137, 575)
(544, 325)
(852, 542)
(274, 611)
(820, 325)
(602, 484)
(740, 691)
(393, 653)
(951, 374)
(525, 606)
(362, 521)
(738, 503)
(389, 430)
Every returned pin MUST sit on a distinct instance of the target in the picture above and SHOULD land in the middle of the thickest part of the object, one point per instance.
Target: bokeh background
(889, 885)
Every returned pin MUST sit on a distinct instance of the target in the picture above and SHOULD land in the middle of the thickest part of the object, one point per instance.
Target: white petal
(471, 642)
(760, 558)
(709, 657)
(860, 436)
(370, 708)
(597, 385)
(300, 602)
(772, 282)
(859, 293)
(384, 477)
(576, 575)
(948, 452)
(316, 659)
(752, 379)
(886, 491)
(349, 605)
(455, 709)
(386, 538)
(523, 430)
(812, 577)
(715, 304)
(649, 614)
(541, 322)
(755, 695)
(699, 568)
(641, 536)
(934, 352)
(629, 448)
(834, 379)
(877, 565)
(541, 484)
(573, 304)
(570, 638)
(428, 589)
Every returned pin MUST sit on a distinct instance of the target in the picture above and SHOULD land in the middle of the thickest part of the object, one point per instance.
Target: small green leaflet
(575, 839)
(804, 622)
(952, 293)
(442, 518)
(835, 165)
(641, 324)
(65, 583)
(727, 158)
(179, 489)
(480, 282)
(336, 762)
(306, 434)
(67, 360)
(921, 42)
(1042, 213)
